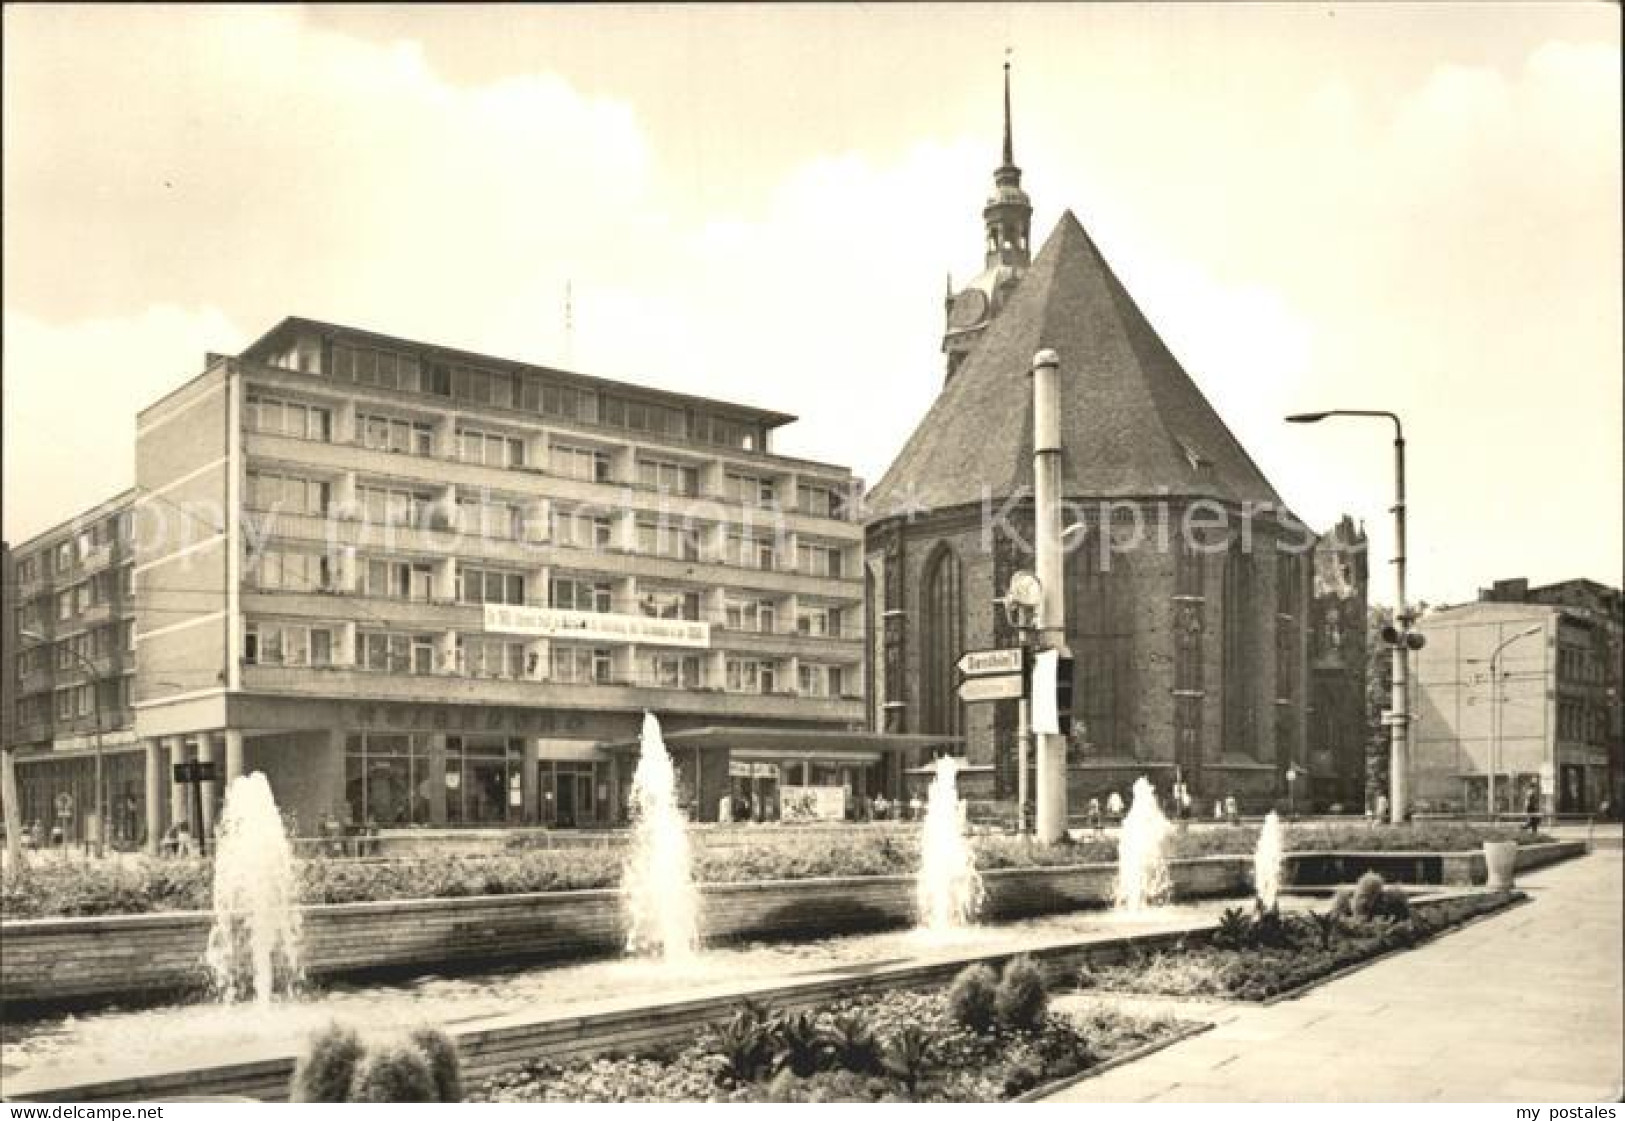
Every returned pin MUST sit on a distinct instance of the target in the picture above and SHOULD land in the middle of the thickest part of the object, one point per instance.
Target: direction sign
(1003, 687)
(64, 804)
(984, 663)
(196, 770)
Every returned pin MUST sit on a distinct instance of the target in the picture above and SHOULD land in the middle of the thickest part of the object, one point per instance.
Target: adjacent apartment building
(422, 587)
(1523, 684)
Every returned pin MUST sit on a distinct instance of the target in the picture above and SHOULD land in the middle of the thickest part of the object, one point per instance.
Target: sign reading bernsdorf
(594, 626)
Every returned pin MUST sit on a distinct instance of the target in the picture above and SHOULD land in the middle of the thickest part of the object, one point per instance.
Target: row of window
(100, 590)
(75, 550)
(295, 571)
(282, 417)
(297, 644)
(382, 368)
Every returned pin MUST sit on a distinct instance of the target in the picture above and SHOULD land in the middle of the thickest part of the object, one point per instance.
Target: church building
(1190, 587)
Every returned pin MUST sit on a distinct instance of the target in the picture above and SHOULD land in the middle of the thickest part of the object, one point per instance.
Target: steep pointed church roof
(1133, 424)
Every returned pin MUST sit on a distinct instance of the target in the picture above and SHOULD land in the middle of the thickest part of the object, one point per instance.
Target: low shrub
(1367, 897)
(803, 1047)
(746, 1044)
(973, 996)
(325, 1070)
(445, 1064)
(1021, 1000)
(854, 1046)
(908, 1054)
(393, 1071)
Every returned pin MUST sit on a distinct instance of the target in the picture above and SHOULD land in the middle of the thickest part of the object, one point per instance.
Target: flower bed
(890, 1047)
(48, 888)
(1266, 953)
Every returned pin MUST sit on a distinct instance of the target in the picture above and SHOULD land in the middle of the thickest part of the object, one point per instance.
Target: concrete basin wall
(496, 1046)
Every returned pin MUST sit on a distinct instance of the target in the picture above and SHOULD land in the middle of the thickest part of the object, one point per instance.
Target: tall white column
(1051, 778)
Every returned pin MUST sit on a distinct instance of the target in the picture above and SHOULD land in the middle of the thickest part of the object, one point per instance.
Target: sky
(1405, 207)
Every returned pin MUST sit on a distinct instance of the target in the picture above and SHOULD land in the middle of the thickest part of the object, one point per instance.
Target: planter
(1501, 861)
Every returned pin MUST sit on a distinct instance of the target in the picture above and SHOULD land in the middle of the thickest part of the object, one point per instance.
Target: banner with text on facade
(595, 626)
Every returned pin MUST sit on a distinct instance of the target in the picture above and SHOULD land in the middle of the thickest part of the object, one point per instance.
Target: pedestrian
(1114, 807)
(1382, 810)
(1531, 807)
(1218, 809)
(725, 809)
(1232, 809)
(1094, 818)
(916, 808)
(1182, 795)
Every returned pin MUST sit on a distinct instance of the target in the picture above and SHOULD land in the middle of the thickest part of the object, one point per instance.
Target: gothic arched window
(1240, 726)
(941, 643)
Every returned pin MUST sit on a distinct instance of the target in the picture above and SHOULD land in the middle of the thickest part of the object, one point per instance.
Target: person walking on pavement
(1531, 808)
(1114, 807)
(1094, 818)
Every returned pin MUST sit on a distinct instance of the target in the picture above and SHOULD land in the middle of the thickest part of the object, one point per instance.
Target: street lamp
(1495, 713)
(1292, 792)
(98, 805)
(1400, 636)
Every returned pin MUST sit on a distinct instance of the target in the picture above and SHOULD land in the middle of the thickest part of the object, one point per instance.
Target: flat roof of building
(293, 323)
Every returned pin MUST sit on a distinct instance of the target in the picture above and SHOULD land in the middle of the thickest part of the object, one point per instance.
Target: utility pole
(1051, 799)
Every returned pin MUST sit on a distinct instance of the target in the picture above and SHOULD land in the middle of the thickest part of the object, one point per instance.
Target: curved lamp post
(1400, 636)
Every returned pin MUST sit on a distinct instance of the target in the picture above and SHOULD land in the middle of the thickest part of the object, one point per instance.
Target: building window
(286, 644)
(482, 518)
(493, 657)
(673, 671)
(942, 613)
(752, 490)
(490, 449)
(277, 570)
(819, 560)
(643, 416)
(819, 501)
(392, 434)
(580, 665)
(748, 675)
(587, 464)
(756, 616)
(397, 580)
(582, 595)
(381, 368)
(661, 603)
(668, 477)
(290, 494)
(748, 551)
(725, 433)
(579, 530)
(388, 506)
(657, 539)
(483, 585)
(386, 652)
(818, 622)
(1239, 676)
(289, 418)
(388, 777)
(818, 681)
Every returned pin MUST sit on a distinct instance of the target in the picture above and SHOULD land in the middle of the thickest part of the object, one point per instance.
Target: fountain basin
(502, 1043)
(61, 962)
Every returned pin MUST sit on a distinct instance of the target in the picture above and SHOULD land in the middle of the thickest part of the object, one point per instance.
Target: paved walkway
(1524, 1006)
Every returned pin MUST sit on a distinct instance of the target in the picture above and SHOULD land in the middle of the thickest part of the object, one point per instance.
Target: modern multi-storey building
(1523, 684)
(70, 671)
(419, 586)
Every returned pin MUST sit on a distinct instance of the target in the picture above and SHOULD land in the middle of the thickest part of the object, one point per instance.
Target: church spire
(1009, 145)
(1008, 214)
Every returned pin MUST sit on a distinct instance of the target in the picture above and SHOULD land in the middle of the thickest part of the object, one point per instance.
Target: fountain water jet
(254, 944)
(1267, 858)
(1142, 867)
(657, 883)
(948, 888)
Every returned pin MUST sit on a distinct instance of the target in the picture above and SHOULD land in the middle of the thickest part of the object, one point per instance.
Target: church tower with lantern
(1007, 218)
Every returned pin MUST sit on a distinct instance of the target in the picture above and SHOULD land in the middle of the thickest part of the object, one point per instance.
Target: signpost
(993, 675)
(1004, 687)
(196, 772)
(64, 813)
(986, 663)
